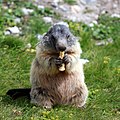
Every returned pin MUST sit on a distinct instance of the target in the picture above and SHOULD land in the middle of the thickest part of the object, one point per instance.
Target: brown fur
(66, 87)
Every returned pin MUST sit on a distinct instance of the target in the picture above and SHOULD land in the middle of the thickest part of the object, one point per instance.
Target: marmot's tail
(17, 93)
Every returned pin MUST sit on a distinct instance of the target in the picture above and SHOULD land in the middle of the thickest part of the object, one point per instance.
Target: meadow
(102, 73)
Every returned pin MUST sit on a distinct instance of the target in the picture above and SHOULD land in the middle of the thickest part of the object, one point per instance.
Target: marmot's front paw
(58, 61)
(66, 59)
(47, 105)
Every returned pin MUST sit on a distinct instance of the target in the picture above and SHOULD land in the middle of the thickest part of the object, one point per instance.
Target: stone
(28, 46)
(14, 30)
(83, 2)
(115, 15)
(72, 18)
(100, 43)
(90, 1)
(63, 8)
(75, 9)
(41, 7)
(54, 4)
(57, 1)
(39, 37)
(27, 11)
(48, 19)
(7, 32)
(17, 20)
(110, 40)
(93, 23)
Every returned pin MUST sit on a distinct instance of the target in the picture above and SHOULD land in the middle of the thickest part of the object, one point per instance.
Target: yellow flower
(27, 50)
(118, 69)
(32, 118)
(32, 50)
(34, 107)
(105, 62)
(106, 58)
(52, 118)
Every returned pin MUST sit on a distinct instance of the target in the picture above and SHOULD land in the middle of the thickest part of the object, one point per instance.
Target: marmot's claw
(58, 61)
(66, 59)
(47, 105)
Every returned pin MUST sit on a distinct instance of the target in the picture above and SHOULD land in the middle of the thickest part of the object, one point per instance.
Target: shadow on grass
(20, 102)
(23, 101)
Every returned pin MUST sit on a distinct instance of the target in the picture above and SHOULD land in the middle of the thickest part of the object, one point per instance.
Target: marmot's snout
(61, 45)
(61, 48)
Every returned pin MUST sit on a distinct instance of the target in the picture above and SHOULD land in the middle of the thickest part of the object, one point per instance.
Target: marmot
(50, 86)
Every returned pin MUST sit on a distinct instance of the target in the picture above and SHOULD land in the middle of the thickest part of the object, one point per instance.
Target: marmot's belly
(62, 87)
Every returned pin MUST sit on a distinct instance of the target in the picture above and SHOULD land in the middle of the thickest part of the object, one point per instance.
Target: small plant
(29, 5)
(71, 2)
(18, 12)
(46, 12)
(101, 32)
(11, 42)
(35, 25)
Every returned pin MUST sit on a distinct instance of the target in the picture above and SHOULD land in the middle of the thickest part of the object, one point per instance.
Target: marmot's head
(58, 38)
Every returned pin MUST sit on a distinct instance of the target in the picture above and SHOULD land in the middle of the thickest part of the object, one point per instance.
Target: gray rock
(102, 42)
(72, 18)
(110, 40)
(48, 19)
(7, 32)
(57, 1)
(90, 1)
(27, 11)
(39, 37)
(91, 25)
(5, 7)
(41, 7)
(28, 46)
(115, 15)
(54, 4)
(63, 8)
(75, 9)
(14, 30)
(17, 20)
(83, 2)
(84, 10)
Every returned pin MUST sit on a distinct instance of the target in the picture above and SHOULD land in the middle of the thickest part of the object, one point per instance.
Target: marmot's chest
(59, 81)
(62, 86)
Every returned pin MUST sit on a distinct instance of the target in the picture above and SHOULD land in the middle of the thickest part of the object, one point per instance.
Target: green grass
(102, 73)
(71, 2)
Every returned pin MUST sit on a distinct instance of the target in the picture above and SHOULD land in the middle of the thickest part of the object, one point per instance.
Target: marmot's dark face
(59, 38)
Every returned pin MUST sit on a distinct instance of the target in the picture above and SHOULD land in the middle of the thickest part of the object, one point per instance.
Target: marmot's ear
(47, 35)
(72, 38)
(45, 39)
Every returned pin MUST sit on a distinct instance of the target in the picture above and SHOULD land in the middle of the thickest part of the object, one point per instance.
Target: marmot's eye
(68, 36)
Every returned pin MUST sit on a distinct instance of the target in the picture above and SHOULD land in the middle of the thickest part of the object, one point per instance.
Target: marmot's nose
(61, 48)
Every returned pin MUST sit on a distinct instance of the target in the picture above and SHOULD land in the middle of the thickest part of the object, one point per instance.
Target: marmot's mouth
(57, 53)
